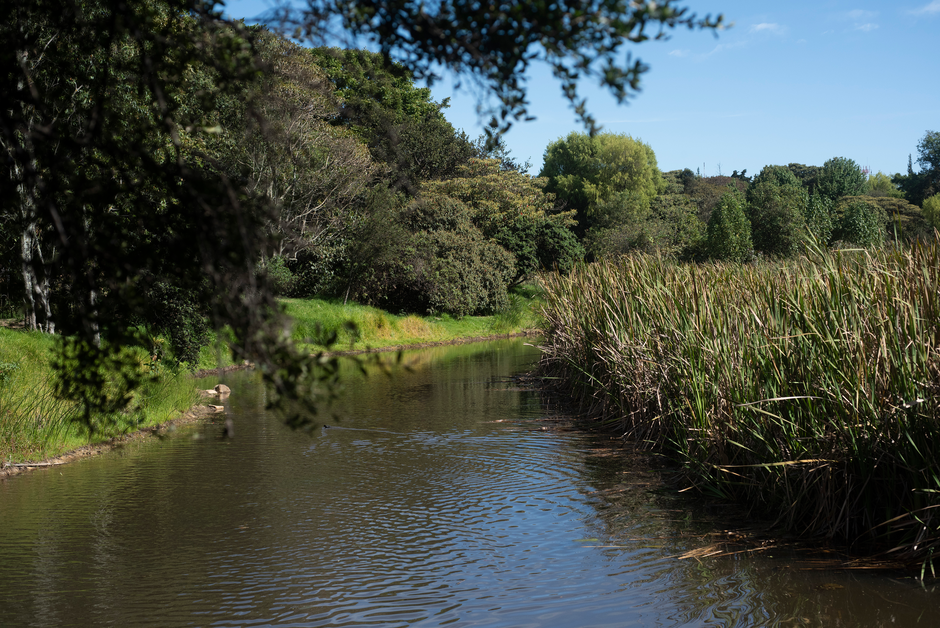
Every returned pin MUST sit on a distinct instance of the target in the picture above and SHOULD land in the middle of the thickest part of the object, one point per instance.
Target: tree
(729, 232)
(928, 158)
(313, 172)
(127, 225)
(880, 184)
(398, 121)
(610, 178)
(776, 203)
(928, 149)
(840, 177)
(708, 191)
(807, 175)
(512, 209)
(111, 193)
(932, 210)
(918, 186)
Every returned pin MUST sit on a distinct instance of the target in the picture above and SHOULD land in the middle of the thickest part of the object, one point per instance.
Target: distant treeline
(624, 204)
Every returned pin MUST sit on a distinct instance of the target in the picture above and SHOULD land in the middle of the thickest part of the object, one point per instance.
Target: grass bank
(35, 425)
(315, 321)
(810, 390)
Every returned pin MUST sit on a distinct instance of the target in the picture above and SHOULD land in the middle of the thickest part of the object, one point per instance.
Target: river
(445, 494)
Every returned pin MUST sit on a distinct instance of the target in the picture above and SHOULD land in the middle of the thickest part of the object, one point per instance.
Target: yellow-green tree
(610, 178)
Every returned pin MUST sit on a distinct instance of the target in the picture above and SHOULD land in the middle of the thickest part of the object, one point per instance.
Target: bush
(729, 232)
(818, 217)
(931, 210)
(279, 276)
(906, 222)
(539, 243)
(776, 206)
(445, 266)
(861, 222)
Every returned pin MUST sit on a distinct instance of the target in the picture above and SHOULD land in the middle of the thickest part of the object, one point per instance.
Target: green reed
(809, 389)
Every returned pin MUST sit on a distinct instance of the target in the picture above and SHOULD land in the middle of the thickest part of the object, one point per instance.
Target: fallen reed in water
(809, 389)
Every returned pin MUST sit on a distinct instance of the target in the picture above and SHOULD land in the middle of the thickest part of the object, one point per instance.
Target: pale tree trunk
(29, 278)
(36, 285)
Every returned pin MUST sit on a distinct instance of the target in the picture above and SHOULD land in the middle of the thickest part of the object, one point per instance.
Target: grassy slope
(35, 425)
(377, 328)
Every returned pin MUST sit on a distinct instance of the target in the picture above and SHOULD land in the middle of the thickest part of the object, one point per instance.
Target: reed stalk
(809, 389)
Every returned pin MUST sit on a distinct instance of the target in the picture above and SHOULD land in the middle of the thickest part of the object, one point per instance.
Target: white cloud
(866, 28)
(933, 7)
(772, 28)
(679, 53)
(860, 14)
(723, 47)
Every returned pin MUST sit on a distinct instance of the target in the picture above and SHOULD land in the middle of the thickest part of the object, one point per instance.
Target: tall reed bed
(35, 424)
(809, 389)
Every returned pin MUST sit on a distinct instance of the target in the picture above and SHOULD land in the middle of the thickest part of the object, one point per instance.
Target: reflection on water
(437, 499)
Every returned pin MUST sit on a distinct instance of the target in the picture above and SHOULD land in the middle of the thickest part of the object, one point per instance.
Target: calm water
(439, 499)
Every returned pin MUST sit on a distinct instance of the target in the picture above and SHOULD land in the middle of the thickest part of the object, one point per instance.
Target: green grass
(315, 320)
(35, 424)
(809, 389)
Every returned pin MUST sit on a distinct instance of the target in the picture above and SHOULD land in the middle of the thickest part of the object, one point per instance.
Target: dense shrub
(539, 244)
(729, 232)
(442, 264)
(776, 205)
(905, 222)
(461, 273)
(279, 276)
(861, 221)
(818, 215)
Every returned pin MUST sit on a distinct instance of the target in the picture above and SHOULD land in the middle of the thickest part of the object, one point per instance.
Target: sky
(787, 82)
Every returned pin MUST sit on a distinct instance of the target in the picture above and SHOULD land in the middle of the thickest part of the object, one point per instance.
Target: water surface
(445, 495)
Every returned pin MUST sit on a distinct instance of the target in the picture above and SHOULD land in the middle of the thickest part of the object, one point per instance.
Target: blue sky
(796, 81)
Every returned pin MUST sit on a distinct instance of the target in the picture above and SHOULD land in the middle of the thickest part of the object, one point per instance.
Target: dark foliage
(776, 203)
(441, 264)
(399, 122)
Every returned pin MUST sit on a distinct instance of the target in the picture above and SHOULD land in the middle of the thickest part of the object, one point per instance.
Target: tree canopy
(840, 176)
(607, 178)
(776, 208)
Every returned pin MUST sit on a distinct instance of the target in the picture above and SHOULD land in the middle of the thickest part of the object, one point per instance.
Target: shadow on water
(447, 494)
